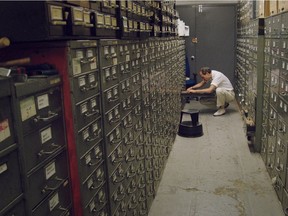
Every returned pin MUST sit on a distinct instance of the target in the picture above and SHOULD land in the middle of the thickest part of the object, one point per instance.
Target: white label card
(53, 202)
(81, 81)
(28, 108)
(89, 53)
(3, 168)
(76, 66)
(46, 135)
(87, 158)
(50, 170)
(91, 78)
(84, 108)
(42, 101)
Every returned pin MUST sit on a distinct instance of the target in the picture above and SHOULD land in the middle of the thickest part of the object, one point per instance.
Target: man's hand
(191, 91)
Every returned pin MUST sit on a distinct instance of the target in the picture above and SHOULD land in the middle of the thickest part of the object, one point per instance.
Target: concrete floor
(216, 174)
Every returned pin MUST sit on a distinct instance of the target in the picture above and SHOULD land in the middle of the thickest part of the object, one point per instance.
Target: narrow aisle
(216, 174)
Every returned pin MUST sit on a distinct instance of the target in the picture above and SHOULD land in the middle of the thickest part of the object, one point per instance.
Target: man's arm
(198, 85)
(209, 90)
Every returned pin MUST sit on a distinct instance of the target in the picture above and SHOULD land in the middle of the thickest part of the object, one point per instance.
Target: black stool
(190, 128)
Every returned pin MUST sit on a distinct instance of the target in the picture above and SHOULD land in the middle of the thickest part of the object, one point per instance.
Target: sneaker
(226, 105)
(220, 111)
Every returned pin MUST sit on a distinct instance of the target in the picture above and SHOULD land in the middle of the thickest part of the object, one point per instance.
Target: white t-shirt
(219, 80)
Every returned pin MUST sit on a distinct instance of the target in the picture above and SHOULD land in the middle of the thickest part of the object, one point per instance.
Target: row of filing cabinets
(104, 19)
(275, 105)
(271, 91)
(121, 109)
(37, 169)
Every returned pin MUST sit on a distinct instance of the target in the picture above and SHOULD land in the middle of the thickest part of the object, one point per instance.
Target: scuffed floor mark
(190, 189)
(233, 193)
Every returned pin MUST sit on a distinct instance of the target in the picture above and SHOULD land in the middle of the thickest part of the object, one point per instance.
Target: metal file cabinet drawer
(284, 25)
(137, 111)
(40, 109)
(284, 69)
(130, 156)
(124, 51)
(137, 95)
(128, 139)
(98, 204)
(84, 59)
(283, 88)
(108, 53)
(274, 98)
(126, 105)
(17, 210)
(87, 111)
(117, 196)
(135, 51)
(47, 179)
(89, 136)
(284, 48)
(115, 158)
(10, 184)
(91, 160)
(132, 185)
(43, 144)
(84, 85)
(136, 81)
(110, 77)
(279, 188)
(112, 119)
(121, 209)
(117, 177)
(125, 88)
(111, 98)
(124, 70)
(283, 108)
(93, 183)
(281, 158)
(139, 140)
(145, 90)
(6, 126)
(127, 123)
(58, 203)
(132, 204)
(285, 201)
(282, 127)
(135, 66)
(112, 139)
(138, 126)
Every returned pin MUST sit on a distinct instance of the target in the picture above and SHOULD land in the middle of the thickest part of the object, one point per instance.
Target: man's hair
(205, 70)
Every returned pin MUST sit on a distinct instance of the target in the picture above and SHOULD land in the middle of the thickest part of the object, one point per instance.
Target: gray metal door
(212, 37)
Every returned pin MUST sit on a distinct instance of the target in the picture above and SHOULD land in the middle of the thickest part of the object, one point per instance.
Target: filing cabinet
(116, 152)
(40, 131)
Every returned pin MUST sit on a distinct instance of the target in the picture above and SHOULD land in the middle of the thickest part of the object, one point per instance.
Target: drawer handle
(113, 99)
(93, 163)
(283, 93)
(139, 158)
(129, 175)
(127, 108)
(101, 208)
(128, 125)
(90, 139)
(47, 188)
(130, 158)
(58, 22)
(131, 206)
(114, 120)
(94, 112)
(142, 198)
(65, 211)
(120, 159)
(42, 152)
(138, 128)
(93, 187)
(51, 115)
(131, 191)
(85, 61)
(141, 186)
(126, 90)
(114, 141)
(278, 168)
